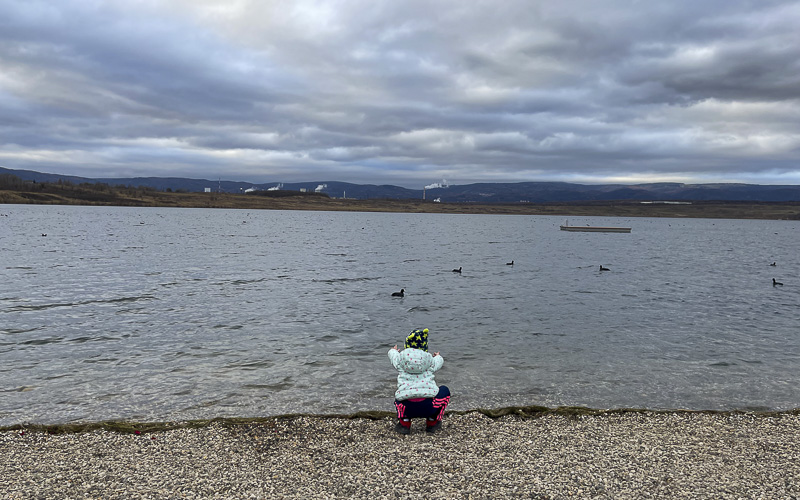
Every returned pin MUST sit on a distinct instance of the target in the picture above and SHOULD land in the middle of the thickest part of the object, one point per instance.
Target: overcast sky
(403, 92)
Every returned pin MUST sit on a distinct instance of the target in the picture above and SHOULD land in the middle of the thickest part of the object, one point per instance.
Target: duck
(457, 270)
(510, 263)
(774, 264)
(401, 293)
(774, 283)
(604, 268)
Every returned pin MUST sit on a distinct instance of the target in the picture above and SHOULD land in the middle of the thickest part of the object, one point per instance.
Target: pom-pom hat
(418, 339)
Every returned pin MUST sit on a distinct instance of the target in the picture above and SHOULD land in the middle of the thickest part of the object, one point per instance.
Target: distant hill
(517, 192)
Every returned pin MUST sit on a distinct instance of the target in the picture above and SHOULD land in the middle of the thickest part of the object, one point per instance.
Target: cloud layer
(405, 93)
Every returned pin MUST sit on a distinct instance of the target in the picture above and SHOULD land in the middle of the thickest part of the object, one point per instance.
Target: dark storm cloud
(405, 92)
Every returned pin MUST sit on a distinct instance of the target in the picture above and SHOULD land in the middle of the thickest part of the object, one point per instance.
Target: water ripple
(39, 307)
(42, 341)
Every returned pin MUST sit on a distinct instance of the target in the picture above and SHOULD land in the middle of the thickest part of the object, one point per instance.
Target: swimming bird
(457, 270)
(510, 263)
(774, 264)
(604, 268)
(401, 293)
(776, 282)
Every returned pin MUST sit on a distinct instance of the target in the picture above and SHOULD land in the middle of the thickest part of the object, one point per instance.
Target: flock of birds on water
(402, 292)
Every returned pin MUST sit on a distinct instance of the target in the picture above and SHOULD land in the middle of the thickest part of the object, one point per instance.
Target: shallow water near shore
(171, 314)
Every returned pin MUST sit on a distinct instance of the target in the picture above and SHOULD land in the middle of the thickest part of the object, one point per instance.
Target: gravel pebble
(609, 455)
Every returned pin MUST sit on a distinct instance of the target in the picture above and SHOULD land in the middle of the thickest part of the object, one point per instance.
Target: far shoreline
(288, 201)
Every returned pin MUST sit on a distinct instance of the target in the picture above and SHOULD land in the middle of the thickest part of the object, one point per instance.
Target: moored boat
(595, 229)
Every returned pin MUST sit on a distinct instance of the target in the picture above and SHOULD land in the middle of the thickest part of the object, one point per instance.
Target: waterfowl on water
(401, 293)
(776, 282)
(774, 264)
(457, 270)
(510, 263)
(604, 268)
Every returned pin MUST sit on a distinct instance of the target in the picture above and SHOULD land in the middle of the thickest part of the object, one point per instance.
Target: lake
(171, 314)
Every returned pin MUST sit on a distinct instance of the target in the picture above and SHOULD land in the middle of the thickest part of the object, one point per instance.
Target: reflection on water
(189, 313)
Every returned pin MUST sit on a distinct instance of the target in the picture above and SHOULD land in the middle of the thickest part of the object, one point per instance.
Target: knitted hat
(418, 339)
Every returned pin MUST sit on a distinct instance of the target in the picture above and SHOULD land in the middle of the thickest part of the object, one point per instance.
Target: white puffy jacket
(416, 368)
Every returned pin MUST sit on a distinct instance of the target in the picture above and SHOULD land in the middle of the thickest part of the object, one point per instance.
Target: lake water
(170, 314)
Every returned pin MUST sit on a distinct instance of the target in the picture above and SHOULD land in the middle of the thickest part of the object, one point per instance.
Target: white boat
(595, 229)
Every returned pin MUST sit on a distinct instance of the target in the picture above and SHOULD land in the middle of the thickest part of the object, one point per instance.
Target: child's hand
(435, 354)
(395, 347)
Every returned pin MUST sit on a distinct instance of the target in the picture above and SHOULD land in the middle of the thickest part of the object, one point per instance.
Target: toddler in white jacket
(417, 395)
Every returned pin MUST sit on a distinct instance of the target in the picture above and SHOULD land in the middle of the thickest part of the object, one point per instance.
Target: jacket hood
(415, 361)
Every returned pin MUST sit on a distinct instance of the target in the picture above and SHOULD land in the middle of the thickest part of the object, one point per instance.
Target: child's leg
(439, 404)
(403, 421)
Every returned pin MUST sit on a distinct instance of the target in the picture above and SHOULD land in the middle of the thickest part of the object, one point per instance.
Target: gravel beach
(601, 455)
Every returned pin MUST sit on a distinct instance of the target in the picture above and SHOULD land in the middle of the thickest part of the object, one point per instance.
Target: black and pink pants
(431, 409)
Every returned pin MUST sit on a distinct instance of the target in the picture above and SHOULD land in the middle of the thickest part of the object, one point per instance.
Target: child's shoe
(403, 426)
(432, 425)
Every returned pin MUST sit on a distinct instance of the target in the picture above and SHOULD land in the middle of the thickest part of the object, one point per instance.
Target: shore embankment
(558, 454)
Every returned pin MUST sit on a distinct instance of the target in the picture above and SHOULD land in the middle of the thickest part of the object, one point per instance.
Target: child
(417, 395)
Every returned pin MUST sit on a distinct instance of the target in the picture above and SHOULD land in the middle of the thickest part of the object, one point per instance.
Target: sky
(406, 92)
